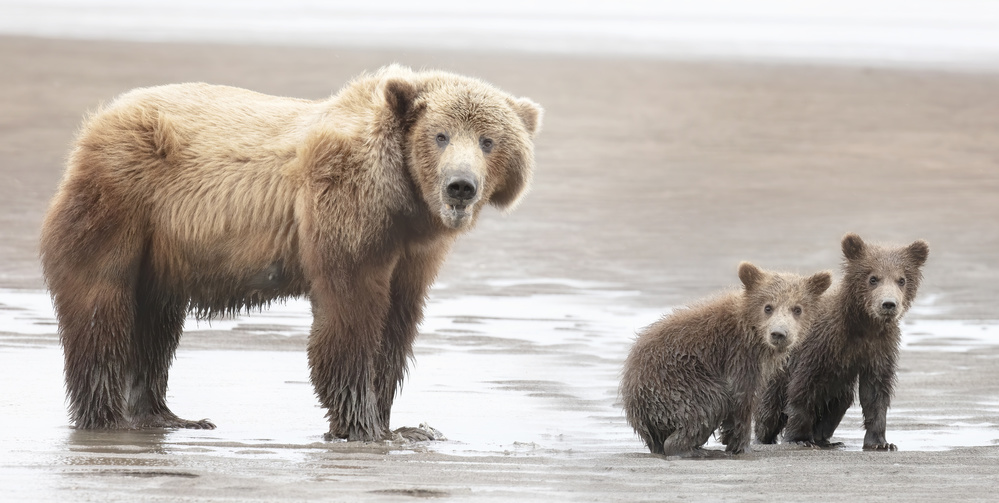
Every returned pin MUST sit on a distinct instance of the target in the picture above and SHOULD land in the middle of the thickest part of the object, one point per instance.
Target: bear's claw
(172, 421)
(881, 447)
(423, 433)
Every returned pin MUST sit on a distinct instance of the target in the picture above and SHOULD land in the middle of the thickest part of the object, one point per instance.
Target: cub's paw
(739, 450)
(825, 444)
(807, 444)
(880, 447)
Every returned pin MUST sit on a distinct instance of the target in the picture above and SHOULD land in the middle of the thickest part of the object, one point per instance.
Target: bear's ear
(515, 184)
(750, 275)
(530, 114)
(818, 283)
(918, 252)
(400, 96)
(853, 246)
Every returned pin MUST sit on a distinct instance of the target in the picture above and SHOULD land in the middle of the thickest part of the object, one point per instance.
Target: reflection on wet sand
(503, 373)
(526, 376)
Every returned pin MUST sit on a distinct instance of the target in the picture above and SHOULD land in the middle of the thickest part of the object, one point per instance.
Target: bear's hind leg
(158, 327)
(94, 326)
(686, 442)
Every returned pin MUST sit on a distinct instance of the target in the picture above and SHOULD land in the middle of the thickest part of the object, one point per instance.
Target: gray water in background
(939, 33)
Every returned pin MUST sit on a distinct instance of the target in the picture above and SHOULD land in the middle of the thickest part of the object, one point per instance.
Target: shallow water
(509, 375)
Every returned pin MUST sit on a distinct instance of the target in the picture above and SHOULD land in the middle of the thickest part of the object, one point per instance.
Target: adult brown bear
(214, 199)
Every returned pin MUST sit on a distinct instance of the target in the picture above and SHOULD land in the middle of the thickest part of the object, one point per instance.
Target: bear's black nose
(888, 305)
(462, 189)
(778, 335)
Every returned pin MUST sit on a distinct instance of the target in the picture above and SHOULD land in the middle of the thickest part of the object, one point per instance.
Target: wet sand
(654, 179)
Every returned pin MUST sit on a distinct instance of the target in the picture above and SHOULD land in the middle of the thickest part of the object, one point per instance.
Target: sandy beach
(655, 178)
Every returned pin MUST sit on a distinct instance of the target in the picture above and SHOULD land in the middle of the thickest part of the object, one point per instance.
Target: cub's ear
(918, 252)
(400, 97)
(530, 114)
(818, 283)
(750, 275)
(853, 246)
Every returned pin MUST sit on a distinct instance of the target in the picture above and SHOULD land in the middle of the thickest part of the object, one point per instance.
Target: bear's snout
(461, 189)
(459, 193)
(889, 307)
(888, 304)
(780, 338)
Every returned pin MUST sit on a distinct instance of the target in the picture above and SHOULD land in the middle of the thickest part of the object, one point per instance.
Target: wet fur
(212, 199)
(697, 369)
(850, 344)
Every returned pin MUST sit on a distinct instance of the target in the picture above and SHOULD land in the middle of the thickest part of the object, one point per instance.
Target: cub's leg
(829, 419)
(769, 416)
(687, 440)
(876, 388)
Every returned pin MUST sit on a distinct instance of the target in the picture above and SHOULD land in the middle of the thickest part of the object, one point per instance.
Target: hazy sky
(919, 31)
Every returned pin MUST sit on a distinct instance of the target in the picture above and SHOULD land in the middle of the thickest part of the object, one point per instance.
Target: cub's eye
(796, 310)
(486, 144)
(768, 309)
(901, 281)
(874, 280)
(442, 140)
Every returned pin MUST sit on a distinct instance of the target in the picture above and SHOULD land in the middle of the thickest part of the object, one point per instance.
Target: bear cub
(855, 339)
(697, 369)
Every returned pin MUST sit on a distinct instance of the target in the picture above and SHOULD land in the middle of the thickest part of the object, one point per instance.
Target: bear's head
(780, 307)
(467, 143)
(882, 280)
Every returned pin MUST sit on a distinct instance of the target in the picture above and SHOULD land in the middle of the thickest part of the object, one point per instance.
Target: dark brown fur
(855, 339)
(216, 199)
(697, 369)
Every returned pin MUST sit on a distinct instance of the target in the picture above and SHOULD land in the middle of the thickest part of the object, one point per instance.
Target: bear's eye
(796, 310)
(901, 281)
(442, 140)
(768, 309)
(486, 144)
(874, 280)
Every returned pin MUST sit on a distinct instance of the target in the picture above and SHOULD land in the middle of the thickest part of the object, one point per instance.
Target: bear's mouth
(455, 215)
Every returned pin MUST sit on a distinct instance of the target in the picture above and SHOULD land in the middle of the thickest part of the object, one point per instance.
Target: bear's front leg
(805, 390)
(737, 426)
(769, 413)
(835, 408)
(349, 311)
(876, 388)
(414, 272)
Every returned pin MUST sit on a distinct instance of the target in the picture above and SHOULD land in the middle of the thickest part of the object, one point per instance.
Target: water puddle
(515, 373)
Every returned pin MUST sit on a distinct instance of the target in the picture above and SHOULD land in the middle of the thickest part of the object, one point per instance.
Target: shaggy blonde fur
(215, 199)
